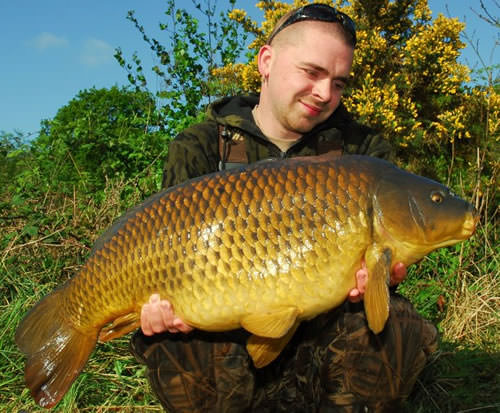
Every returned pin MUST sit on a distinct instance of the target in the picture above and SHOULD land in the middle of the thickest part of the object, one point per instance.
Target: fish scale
(262, 247)
(218, 202)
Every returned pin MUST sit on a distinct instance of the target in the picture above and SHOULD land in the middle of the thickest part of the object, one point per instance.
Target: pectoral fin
(378, 263)
(264, 350)
(120, 326)
(272, 324)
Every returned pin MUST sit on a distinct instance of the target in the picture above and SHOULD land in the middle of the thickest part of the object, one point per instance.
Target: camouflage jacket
(195, 151)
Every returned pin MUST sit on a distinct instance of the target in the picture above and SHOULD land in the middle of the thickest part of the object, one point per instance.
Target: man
(333, 362)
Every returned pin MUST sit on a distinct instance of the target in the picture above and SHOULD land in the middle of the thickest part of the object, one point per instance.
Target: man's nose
(323, 90)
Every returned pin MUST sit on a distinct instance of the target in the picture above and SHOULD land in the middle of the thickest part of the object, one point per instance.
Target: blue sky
(52, 49)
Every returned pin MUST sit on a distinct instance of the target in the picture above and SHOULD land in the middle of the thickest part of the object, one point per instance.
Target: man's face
(307, 76)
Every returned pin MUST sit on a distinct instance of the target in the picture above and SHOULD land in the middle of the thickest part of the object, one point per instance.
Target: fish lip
(470, 224)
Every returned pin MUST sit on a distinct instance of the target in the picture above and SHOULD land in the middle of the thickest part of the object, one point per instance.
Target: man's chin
(306, 125)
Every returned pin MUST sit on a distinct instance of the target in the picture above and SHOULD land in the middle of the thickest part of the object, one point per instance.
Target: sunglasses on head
(318, 12)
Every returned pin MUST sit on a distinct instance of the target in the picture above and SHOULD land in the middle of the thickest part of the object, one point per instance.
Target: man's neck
(284, 142)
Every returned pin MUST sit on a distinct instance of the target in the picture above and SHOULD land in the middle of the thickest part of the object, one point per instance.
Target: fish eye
(437, 197)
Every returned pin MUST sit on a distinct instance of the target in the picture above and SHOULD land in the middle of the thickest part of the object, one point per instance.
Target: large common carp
(262, 247)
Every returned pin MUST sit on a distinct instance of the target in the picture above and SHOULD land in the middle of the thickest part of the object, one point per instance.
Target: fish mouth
(470, 223)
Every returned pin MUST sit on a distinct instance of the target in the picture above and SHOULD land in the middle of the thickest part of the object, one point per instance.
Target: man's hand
(398, 274)
(158, 316)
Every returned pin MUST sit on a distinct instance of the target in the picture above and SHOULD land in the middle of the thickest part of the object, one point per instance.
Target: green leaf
(30, 230)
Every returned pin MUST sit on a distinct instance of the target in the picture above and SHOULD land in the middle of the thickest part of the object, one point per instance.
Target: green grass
(111, 381)
(458, 379)
(458, 288)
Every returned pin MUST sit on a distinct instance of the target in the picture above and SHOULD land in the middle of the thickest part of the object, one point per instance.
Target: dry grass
(473, 314)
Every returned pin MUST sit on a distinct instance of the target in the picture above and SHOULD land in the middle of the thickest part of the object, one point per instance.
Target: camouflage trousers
(334, 363)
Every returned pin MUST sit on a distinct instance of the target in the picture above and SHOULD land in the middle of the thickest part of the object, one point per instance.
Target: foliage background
(103, 152)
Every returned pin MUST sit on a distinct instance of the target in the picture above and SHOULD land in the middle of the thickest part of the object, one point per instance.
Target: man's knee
(197, 373)
(378, 369)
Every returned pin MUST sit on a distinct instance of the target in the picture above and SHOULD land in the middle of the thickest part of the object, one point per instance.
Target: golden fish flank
(262, 248)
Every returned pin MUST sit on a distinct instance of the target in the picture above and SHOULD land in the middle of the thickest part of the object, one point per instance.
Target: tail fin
(56, 352)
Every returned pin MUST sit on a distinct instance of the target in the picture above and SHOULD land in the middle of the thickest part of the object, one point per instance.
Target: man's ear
(264, 60)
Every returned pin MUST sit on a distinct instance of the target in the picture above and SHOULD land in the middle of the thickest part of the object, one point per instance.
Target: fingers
(398, 273)
(357, 293)
(166, 313)
(181, 326)
(157, 316)
(354, 296)
(152, 320)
